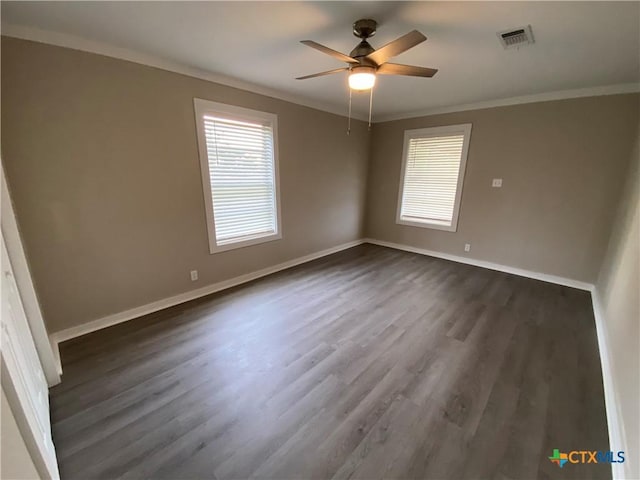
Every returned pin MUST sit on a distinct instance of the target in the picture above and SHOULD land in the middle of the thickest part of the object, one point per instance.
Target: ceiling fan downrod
(363, 29)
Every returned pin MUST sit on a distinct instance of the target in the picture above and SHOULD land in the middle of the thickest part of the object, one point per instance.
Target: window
(433, 165)
(239, 163)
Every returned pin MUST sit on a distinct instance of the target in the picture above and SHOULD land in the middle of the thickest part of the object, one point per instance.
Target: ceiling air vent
(516, 37)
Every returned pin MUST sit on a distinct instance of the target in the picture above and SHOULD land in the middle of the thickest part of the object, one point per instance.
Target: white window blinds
(433, 171)
(242, 178)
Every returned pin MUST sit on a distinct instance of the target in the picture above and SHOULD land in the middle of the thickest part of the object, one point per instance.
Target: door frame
(23, 380)
(48, 358)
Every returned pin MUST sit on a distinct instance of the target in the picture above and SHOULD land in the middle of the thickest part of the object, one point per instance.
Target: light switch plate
(497, 183)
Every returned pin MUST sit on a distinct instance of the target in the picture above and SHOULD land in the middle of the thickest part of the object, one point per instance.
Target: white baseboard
(617, 438)
(136, 312)
(56, 356)
(568, 282)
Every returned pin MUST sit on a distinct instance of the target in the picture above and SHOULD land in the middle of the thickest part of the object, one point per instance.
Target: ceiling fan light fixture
(365, 62)
(362, 78)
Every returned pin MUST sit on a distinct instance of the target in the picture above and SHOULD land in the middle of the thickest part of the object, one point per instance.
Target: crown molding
(505, 102)
(100, 48)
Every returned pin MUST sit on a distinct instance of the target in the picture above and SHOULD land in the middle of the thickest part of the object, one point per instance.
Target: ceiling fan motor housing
(362, 50)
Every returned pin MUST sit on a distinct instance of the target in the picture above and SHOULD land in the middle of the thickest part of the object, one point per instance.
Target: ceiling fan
(365, 61)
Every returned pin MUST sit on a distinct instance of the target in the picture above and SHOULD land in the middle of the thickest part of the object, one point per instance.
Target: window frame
(203, 107)
(465, 129)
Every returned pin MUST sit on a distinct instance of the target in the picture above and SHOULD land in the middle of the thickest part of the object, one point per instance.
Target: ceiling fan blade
(397, 69)
(396, 47)
(335, 54)
(329, 72)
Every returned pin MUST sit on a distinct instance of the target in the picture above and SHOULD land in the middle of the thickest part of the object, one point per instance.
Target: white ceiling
(578, 45)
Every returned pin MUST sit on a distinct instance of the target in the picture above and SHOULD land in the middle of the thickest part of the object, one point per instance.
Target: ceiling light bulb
(362, 78)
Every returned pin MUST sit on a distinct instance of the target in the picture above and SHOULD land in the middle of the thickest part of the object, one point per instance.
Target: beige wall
(562, 165)
(617, 291)
(102, 162)
(15, 459)
(101, 156)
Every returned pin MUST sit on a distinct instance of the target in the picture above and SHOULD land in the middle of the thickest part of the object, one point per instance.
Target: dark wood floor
(370, 363)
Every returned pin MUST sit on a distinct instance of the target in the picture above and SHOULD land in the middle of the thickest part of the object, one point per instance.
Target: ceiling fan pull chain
(370, 106)
(349, 120)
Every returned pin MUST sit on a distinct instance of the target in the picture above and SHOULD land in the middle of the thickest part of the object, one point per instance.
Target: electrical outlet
(194, 275)
(497, 183)
(467, 247)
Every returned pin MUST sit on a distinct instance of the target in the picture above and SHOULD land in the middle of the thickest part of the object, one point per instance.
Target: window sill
(214, 248)
(432, 225)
